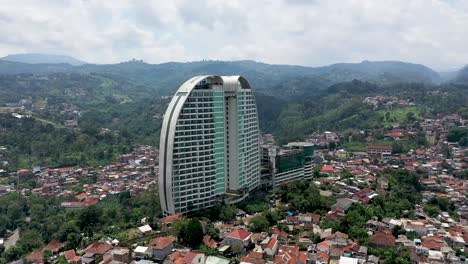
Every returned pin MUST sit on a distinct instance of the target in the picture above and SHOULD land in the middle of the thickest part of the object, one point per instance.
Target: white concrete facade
(209, 144)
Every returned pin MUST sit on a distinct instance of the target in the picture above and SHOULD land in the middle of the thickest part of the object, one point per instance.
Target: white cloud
(306, 32)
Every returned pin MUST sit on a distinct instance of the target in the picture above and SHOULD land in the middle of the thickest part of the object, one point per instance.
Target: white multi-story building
(209, 144)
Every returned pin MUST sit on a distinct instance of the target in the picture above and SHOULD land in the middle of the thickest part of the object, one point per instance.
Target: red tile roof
(177, 257)
(394, 134)
(382, 239)
(36, 257)
(322, 257)
(239, 233)
(81, 196)
(323, 244)
(281, 234)
(70, 255)
(327, 168)
(433, 245)
(380, 147)
(91, 201)
(190, 256)
(171, 218)
(253, 258)
(162, 242)
(353, 247)
(315, 218)
(54, 246)
(209, 242)
(433, 242)
(287, 255)
(271, 244)
(98, 248)
(303, 256)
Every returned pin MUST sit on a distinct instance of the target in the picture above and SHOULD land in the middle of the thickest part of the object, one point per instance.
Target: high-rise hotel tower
(209, 147)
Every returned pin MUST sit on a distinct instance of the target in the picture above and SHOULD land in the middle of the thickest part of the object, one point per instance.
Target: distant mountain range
(279, 80)
(37, 58)
(128, 98)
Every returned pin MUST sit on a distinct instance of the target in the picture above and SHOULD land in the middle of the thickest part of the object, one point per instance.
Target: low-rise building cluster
(134, 172)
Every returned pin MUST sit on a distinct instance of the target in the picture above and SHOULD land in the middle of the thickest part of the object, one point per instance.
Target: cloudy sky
(304, 32)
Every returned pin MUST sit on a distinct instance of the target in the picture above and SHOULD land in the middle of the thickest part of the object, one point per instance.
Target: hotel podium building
(209, 144)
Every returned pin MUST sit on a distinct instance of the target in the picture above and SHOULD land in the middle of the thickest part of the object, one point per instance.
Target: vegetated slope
(31, 142)
(292, 101)
(37, 58)
(462, 75)
(380, 71)
(132, 114)
(77, 88)
(11, 67)
(277, 80)
(342, 107)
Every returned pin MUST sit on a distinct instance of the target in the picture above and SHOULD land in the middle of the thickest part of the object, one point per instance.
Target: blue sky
(303, 32)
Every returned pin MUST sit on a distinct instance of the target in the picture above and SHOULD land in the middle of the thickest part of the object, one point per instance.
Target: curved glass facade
(209, 144)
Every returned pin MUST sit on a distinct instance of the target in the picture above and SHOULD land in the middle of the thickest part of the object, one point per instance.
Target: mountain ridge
(41, 58)
(289, 81)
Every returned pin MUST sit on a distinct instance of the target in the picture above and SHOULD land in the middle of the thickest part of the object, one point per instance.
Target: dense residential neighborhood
(134, 173)
(434, 231)
(234, 132)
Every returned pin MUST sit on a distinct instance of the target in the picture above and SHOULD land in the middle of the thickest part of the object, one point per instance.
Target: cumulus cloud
(305, 32)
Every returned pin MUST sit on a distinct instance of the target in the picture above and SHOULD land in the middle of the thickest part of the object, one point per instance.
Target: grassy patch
(355, 146)
(107, 83)
(123, 99)
(56, 125)
(398, 115)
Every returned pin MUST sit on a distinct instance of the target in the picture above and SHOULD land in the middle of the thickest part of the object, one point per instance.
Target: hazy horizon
(294, 32)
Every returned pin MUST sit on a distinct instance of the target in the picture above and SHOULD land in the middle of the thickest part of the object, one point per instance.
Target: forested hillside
(462, 75)
(90, 114)
(342, 106)
(163, 77)
(34, 58)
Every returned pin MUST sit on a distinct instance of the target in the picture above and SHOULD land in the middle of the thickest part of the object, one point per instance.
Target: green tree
(398, 230)
(259, 223)
(358, 233)
(410, 117)
(62, 260)
(188, 232)
(47, 254)
(12, 254)
(212, 231)
(89, 218)
(397, 147)
(228, 213)
(207, 251)
(387, 116)
(194, 233)
(29, 240)
(457, 135)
